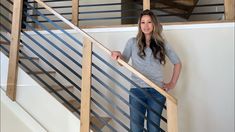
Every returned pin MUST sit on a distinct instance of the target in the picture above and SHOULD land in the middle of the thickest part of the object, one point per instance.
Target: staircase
(56, 65)
(181, 8)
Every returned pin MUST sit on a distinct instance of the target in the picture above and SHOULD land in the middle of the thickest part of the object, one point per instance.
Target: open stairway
(57, 66)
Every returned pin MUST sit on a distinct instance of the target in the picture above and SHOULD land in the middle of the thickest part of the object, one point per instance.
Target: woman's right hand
(116, 54)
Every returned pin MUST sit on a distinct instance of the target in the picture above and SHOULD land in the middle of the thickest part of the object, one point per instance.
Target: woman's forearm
(176, 73)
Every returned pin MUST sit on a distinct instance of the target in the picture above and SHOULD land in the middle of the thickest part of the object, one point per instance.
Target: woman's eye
(142, 22)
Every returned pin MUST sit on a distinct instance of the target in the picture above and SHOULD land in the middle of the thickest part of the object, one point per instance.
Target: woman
(147, 52)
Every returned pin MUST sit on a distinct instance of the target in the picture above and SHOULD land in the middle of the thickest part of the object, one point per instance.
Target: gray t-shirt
(149, 66)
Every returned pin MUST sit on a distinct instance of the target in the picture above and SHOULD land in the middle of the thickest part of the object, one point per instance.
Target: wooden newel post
(229, 10)
(146, 4)
(86, 86)
(14, 49)
(75, 10)
(172, 118)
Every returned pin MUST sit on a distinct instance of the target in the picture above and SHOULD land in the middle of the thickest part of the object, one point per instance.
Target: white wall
(39, 104)
(14, 118)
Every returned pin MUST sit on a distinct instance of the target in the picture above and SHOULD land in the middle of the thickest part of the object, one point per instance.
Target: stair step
(94, 120)
(73, 103)
(41, 72)
(98, 123)
(7, 43)
(58, 88)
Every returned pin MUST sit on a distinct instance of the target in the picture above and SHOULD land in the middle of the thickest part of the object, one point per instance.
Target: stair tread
(73, 103)
(98, 123)
(94, 120)
(58, 88)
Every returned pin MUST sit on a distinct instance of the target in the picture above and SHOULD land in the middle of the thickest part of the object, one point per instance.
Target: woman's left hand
(168, 86)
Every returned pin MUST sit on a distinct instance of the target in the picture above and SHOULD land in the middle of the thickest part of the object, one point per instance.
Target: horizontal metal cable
(49, 14)
(109, 4)
(48, 1)
(92, 12)
(46, 21)
(109, 11)
(107, 18)
(55, 7)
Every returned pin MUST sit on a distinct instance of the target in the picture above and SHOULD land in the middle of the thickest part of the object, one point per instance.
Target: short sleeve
(171, 54)
(126, 54)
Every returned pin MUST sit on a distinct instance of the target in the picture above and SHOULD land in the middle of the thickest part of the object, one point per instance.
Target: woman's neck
(147, 39)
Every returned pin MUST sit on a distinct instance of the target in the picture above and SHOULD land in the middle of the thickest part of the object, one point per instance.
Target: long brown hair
(157, 43)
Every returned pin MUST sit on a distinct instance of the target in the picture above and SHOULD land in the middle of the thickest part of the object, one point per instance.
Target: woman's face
(146, 24)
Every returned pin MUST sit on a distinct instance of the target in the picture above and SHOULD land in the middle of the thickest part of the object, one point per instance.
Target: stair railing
(170, 101)
(128, 14)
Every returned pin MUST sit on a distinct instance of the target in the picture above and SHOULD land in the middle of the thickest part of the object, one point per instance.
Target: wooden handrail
(102, 47)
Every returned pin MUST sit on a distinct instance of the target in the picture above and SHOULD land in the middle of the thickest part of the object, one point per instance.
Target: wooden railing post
(14, 49)
(229, 6)
(172, 119)
(146, 4)
(75, 4)
(86, 86)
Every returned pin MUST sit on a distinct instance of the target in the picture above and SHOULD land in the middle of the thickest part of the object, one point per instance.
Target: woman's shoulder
(131, 41)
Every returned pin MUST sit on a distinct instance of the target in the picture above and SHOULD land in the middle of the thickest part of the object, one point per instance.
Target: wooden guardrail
(14, 55)
(171, 101)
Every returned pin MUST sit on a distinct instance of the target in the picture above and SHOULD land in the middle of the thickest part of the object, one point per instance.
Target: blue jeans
(138, 110)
